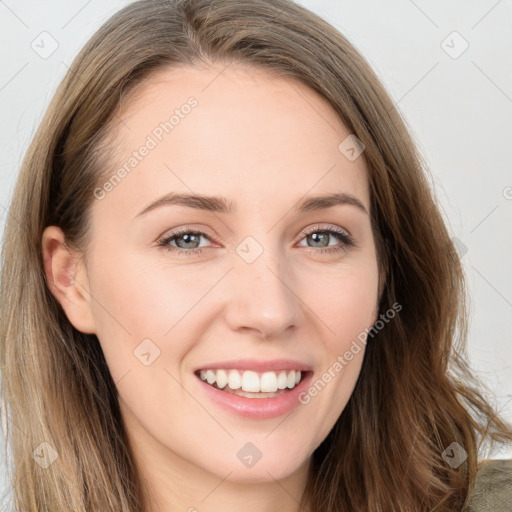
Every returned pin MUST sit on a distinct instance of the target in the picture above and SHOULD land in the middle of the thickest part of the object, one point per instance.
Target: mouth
(251, 384)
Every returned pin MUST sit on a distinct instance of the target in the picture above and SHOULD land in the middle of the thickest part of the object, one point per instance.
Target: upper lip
(257, 365)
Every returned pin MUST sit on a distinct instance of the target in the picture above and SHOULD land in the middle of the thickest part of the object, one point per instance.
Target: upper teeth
(267, 382)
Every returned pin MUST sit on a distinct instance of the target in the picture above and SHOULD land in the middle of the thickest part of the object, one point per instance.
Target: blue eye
(193, 237)
(325, 234)
(188, 236)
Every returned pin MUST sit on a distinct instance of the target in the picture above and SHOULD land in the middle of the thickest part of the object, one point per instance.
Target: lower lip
(258, 408)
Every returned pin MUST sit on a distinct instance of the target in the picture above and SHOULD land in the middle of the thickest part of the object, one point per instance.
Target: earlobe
(66, 277)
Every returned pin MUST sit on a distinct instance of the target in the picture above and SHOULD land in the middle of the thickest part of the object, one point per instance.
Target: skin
(263, 142)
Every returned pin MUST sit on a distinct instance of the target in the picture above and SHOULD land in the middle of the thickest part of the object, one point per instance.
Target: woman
(252, 369)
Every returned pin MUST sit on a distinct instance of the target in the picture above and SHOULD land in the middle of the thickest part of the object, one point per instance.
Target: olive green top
(493, 487)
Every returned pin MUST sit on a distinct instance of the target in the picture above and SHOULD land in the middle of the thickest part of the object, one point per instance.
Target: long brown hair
(415, 395)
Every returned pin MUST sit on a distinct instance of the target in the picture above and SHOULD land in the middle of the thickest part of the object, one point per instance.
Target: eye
(321, 236)
(187, 242)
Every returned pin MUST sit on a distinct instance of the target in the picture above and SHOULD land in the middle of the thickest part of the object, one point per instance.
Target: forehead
(234, 130)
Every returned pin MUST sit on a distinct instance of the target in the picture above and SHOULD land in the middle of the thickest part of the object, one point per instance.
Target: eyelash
(343, 236)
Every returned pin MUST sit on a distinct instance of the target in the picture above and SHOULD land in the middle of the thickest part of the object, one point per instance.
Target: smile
(246, 393)
(251, 381)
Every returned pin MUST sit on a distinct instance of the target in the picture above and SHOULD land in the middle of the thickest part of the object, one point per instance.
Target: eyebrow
(220, 204)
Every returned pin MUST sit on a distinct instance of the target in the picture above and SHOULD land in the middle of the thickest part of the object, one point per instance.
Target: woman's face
(270, 281)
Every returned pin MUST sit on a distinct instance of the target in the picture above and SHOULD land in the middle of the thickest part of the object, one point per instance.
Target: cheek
(135, 310)
(144, 297)
(345, 300)
(144, 331)
(346, 303)
(149, 312)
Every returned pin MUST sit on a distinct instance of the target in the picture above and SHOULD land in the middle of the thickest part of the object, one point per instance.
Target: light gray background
(459, 108)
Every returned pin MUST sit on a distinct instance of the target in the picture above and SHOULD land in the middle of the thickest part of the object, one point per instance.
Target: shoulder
(493, 487)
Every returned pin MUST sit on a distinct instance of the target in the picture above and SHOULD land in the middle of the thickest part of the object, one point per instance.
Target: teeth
(252, 382)
(268, 382)
(282, 381)
(210, 376)
(221, 378)
(234, 380)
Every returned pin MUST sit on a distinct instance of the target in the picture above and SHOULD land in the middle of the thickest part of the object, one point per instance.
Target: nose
(261, 300)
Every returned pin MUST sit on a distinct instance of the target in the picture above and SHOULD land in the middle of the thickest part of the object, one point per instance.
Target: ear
(67, 279)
